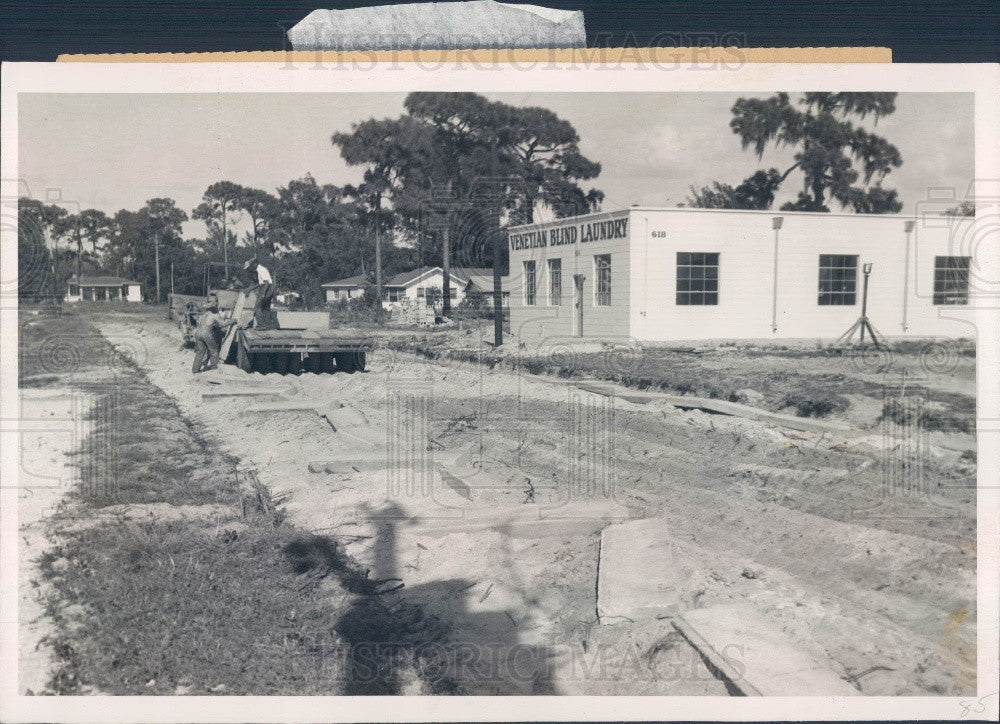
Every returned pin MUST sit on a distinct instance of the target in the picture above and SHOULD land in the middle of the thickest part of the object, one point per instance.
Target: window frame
(699, 268)
(835, 269)
(941, 294)
(530, 289)
(554, 290)
(602, 294)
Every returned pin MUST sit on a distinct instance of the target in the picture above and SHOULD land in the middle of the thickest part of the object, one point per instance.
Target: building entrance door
(578, 305)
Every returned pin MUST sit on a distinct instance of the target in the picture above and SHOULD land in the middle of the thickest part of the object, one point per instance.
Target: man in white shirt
(264, 289)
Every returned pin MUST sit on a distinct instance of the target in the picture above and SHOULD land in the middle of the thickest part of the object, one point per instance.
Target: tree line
(453, 166)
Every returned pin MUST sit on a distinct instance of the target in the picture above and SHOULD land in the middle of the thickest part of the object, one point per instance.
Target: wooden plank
(246, 392)
(720, 407)
(636, 579)
(227, 343)
(758, 659)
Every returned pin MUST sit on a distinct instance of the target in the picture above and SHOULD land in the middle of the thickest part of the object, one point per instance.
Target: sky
(114, 151)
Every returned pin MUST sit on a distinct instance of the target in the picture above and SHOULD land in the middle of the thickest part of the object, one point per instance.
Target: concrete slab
(581, 518)
(758, 659)
(369, 437)
(341, 416)
(636, 580)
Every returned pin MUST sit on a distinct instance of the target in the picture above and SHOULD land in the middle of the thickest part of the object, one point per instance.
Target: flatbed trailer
(290, 351)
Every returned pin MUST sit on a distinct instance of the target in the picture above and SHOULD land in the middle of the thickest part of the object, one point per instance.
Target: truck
(255, 348)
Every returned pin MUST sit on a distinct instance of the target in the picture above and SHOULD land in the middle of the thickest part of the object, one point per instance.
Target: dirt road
(878, 581)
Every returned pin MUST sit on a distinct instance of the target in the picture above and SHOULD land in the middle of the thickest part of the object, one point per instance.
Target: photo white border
(229, 77)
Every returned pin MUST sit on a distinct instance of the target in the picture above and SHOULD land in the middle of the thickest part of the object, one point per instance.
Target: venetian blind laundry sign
(571, 234)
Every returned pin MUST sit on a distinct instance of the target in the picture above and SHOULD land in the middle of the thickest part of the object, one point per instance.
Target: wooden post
(79, 253)
(497, 234)
(378, 264)
(446, 284)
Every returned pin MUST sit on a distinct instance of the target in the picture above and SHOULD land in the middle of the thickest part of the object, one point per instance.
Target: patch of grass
(930, 419)
(809, 406)
(162, 606)
(245, 604)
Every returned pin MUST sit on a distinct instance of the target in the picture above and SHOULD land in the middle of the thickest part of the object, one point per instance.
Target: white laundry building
(666, 274)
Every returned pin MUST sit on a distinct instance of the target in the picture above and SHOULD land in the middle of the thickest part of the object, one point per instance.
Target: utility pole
(497, 291)
(446, 284)
(446, 252)
(79, 253)
(156, 246)
(51, 239)
(378, 253)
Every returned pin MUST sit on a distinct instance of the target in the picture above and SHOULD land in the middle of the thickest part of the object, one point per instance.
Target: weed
(929, 419)
(815, 407)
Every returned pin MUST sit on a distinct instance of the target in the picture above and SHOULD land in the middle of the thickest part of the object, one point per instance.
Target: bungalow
(348, 288)
(426, 284)
(103, 289)
(480, 287)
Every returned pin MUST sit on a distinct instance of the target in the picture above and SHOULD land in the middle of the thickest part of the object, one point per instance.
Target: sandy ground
(53, 426)
(878, 582)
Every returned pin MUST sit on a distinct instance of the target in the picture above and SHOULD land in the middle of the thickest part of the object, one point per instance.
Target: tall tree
(36, 275)
(319, 236)
(448, 146)
(165, 221)
(261, 207)
(966, 208)
(219, 202)
(88, 225)
(146, 239)
(833, 153)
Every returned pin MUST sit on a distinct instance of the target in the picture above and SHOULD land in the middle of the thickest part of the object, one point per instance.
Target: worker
(207, 333)
(265, 292)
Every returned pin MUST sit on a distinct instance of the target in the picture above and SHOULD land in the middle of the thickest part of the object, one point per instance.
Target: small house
(345, 289)
(103, 289)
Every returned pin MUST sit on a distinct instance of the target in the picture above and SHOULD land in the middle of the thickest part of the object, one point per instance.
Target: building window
(602, 280)
(74, 290)
(529, 283)
(697, 278)
(951, 279)
(392, 295)
(838, 279)
(555, 282)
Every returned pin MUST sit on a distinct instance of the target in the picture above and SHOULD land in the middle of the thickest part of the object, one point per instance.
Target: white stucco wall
(644, 276)
(745, 242)
(548, 323)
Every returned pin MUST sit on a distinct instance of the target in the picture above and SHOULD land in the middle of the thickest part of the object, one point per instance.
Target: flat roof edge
(759, 212)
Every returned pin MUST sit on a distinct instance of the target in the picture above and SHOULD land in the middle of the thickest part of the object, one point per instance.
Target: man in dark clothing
(265, 293)
(206, 338)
